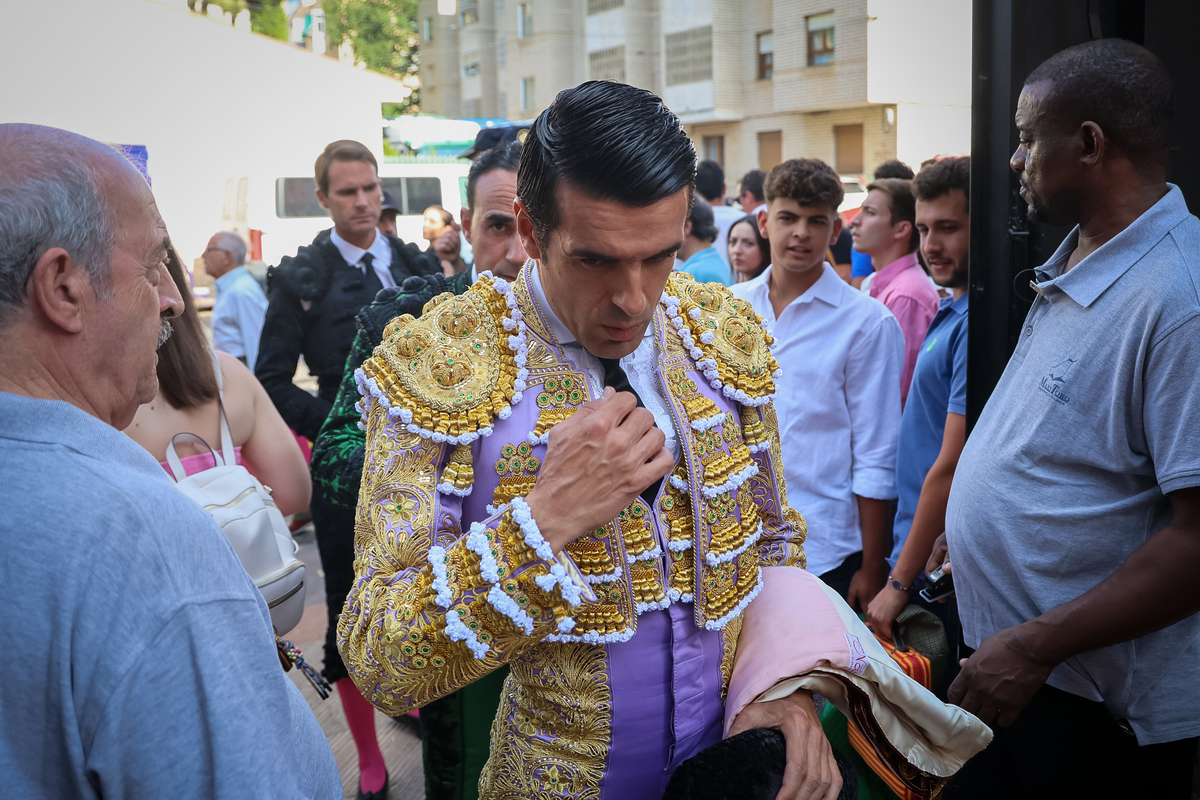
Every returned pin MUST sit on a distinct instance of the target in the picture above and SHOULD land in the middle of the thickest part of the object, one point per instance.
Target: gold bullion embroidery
(785, 514)
(552, 733)
(559, 399)
(729, 642)
(452, 369)
(727, 331)
(517, 468)
(636, 528)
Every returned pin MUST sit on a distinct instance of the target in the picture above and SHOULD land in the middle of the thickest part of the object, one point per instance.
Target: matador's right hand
(597, 461)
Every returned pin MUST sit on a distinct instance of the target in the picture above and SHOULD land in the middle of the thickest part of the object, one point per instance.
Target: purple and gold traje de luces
(606, 695)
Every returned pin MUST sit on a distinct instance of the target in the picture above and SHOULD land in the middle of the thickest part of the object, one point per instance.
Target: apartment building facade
(853, 82)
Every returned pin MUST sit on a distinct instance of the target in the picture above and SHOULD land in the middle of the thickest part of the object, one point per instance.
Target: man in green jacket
(457, 727)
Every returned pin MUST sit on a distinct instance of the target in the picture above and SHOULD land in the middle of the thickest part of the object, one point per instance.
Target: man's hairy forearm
(875, 517)
(1154, 588)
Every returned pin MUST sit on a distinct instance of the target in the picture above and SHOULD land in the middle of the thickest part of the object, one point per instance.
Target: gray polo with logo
(1096, 418)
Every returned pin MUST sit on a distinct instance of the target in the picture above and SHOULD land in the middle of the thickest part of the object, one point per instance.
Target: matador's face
(605, 265)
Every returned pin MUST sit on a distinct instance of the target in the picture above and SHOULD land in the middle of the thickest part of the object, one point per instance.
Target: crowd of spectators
(1070, 519)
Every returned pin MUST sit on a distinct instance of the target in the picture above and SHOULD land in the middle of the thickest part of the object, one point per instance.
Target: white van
(414, 182)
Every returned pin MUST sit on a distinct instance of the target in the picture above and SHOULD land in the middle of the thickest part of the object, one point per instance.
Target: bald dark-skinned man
(142, 663)
(1074, 518)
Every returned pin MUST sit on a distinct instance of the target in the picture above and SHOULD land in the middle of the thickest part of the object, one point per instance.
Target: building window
(713, 148)
(766, 56)
(501, 53)
(600, 6)
(427, 29)
(502, 102)
(607, 65)
(469, 12)
(524, 20)
(689, 56)
(820, 38)
(499, 7)
(526, 94)
(471, 69)
(848, 149)
(470, 108)
(770, 150)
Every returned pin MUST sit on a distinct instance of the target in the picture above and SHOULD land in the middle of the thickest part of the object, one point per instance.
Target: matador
(604, 543)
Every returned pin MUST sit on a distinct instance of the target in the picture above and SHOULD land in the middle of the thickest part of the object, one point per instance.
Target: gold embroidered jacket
(453, 578)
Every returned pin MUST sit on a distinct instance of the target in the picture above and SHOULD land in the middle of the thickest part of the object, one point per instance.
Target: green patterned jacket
(337, 459)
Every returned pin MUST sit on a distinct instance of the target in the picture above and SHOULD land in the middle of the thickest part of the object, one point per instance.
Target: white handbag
(243, 508)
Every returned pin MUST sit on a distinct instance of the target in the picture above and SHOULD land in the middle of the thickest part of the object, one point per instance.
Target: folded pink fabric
(799, 634)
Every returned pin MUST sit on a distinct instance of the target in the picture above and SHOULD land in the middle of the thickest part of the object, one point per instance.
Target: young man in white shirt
(841, 353)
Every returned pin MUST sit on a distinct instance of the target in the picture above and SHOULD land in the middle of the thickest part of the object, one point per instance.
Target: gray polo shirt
(1096, 417)
(139, 656)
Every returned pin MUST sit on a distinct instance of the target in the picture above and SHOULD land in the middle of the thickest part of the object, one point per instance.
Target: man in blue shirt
(237, 315)
(933, 427)
(1074, 521)
(142, 661)
(699, 257)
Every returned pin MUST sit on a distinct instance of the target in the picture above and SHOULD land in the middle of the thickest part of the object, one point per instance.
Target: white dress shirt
(641, 366)
(380, 249)
(838, 403)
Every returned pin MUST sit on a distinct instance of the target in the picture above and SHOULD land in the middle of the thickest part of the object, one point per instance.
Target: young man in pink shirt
(885, 229)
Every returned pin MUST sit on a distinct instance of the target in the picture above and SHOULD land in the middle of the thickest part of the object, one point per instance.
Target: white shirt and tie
(380, 252)
(641, 366)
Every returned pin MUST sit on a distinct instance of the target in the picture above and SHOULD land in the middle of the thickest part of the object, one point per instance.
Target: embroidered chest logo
(1054, 382)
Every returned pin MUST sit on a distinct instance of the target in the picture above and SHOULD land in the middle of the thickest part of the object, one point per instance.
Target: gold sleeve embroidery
(784, 529)
(432, 608)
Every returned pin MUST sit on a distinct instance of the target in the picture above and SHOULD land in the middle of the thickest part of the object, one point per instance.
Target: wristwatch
(895, 584)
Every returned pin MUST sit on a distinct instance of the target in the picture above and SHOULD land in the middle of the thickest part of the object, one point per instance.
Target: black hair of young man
(1120, 86)
(701, 216)
(752, 182)
(893, 168)
(610, 140)
(942, 177)
(710, 180)
(505, 156)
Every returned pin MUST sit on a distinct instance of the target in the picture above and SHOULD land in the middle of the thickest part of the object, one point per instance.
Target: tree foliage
(384, 36)
(266, 16)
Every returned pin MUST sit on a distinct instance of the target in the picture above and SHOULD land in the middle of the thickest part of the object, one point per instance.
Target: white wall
(920, 59)
(925, 131)
(208, 101)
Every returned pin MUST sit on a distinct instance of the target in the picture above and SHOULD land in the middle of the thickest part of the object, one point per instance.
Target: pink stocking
(360, 716)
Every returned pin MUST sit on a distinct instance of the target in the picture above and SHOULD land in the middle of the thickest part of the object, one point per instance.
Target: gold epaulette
(725, 337)
(448, 375)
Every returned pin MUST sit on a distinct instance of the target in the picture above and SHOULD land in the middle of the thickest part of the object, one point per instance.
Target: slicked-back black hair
(710, 179)
(504, 156)
(1120, 86)
(610, 140)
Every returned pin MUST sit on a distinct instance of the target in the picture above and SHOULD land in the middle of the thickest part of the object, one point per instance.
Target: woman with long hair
(187, 402)
(749, 252)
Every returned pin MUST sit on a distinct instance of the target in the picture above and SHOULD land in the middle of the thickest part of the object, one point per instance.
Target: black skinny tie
(370, 277)
(615, 377)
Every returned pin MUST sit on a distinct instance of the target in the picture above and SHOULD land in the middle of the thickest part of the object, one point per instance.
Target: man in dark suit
(313, 299)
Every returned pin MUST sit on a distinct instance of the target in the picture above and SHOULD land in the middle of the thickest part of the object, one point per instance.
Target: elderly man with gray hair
(237, 314)
(141, 658)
